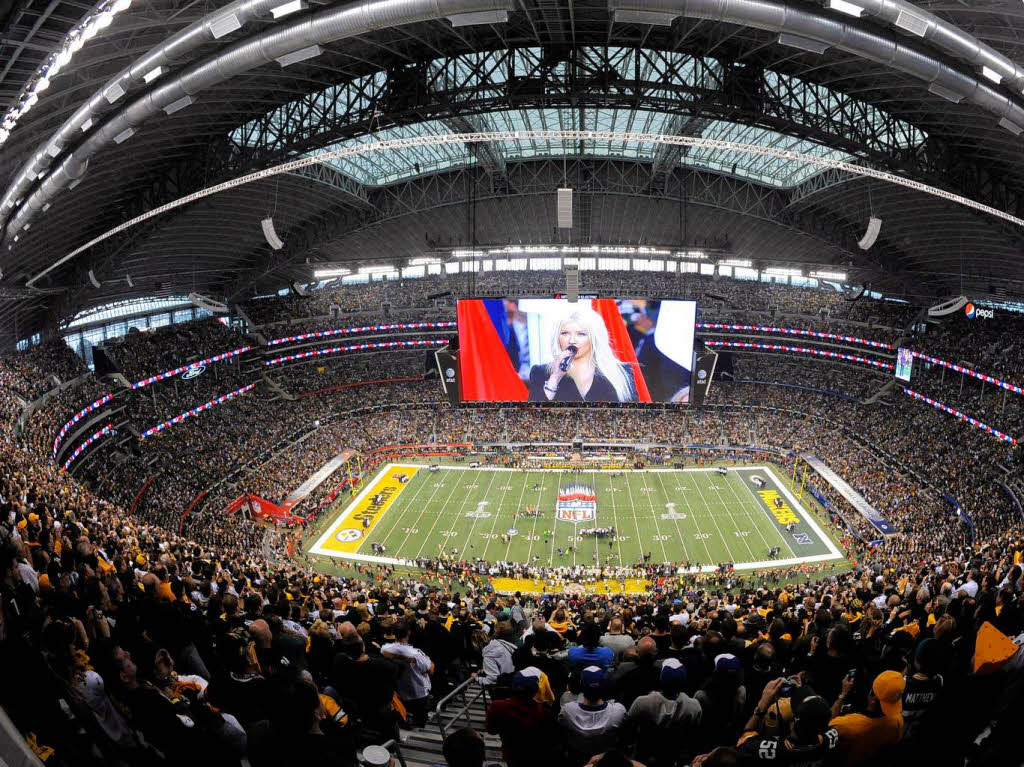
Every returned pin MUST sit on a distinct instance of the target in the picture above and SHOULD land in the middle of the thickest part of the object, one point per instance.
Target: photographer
(808, 739)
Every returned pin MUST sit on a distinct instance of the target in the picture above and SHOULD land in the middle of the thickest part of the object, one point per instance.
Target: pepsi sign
(193, 372)
(976, 312)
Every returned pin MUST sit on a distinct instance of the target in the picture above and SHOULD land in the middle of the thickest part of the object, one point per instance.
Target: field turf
(696, 516)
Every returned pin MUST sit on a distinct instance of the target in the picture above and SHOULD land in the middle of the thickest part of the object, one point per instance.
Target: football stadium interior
(511, 382)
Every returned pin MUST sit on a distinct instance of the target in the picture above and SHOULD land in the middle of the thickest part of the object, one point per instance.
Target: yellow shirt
(861, 736)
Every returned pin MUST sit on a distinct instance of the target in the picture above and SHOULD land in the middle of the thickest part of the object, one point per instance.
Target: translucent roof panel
(388, 167)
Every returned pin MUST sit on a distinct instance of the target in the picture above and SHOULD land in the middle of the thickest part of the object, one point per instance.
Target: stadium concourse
(134, 634)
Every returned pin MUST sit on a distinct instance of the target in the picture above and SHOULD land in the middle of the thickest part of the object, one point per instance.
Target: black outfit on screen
(601, 389)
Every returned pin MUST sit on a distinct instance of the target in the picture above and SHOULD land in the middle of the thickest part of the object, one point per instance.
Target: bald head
(646, 647)
(259, 630)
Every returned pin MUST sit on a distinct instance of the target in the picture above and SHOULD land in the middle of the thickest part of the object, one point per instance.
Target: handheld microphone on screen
(564, 364)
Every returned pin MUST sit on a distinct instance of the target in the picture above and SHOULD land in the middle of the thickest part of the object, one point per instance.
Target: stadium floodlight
(575, 135)
(377, 269)
(152, 74)
(843, 6)
(782, 271)
(325, 274)
(468, 254)
(826, 275)
(288, 8)
(740, 262)
(992, 75)
(424, 261)
(700, 255)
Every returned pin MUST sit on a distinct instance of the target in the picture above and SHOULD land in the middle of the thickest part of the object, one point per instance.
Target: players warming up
(773, 552)
(378, 548)
(599, 532)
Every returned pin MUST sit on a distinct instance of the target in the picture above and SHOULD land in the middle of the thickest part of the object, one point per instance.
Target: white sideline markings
(834, 553)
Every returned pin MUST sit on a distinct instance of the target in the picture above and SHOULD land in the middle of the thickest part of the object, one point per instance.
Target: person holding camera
(808, 740)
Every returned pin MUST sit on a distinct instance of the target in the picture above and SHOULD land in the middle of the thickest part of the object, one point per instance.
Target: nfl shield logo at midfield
(576, 503)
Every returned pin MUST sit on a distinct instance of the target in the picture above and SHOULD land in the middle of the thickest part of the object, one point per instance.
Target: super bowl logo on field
(576, 503)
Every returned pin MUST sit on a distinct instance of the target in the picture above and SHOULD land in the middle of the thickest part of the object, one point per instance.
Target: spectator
(616, 640)
(722, 700)
(590, 651)
(414, 680)
(464, 748)
(665, 722)
(808, 740)
(522, 723)
(497, 655)
(863, 736)
(594, 724)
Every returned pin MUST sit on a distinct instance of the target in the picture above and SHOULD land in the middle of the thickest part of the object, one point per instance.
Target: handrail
(462, 712)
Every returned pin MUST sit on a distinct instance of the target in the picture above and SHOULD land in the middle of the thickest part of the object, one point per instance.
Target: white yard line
(405, 509)
(464, 549)
(714, 519)
(519, 508)
(756, 526)
(700, 534)
(657, 526)
(416, 524)
(497, 514)
(682, 538)
(736, 528)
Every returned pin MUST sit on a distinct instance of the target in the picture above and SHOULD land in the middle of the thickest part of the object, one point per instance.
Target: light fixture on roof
(803, 43)
(288, 8)
(843, 6)
(992, 75)
(41, 85)
(740, 262)
(104, 20)
(782, 271)
(121, 5)
(323, 274)
(826, 275)
(301, 55)
(152, 74)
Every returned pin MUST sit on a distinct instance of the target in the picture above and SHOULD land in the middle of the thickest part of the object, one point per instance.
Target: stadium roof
(164, 99)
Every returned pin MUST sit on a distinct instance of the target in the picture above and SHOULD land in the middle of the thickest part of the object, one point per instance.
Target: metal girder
(488, 155)
(325, 174)
(590, 177)
(612, 77)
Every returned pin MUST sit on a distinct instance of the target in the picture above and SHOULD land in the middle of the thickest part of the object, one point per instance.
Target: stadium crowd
(130, 638)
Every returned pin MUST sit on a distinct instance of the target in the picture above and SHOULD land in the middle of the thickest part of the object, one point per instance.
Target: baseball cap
(727, 662)
(811, 714)
(673, 673)
(592, 678)
(525, 682)
(888, 688)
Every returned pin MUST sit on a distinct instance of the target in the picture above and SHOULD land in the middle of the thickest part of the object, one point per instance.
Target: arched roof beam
(276, 44)
(810, 31)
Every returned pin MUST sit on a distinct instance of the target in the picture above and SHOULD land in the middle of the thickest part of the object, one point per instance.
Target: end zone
(346, 534)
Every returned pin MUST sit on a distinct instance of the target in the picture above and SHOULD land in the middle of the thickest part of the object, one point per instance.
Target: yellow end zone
(534, 586)
(350, 530)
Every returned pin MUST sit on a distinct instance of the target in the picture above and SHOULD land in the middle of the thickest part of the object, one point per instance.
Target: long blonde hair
(604, 359)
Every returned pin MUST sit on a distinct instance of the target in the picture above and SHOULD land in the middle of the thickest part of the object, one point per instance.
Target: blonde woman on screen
(583, 368)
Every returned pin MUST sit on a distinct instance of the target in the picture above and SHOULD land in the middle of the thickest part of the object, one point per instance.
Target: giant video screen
(599, 350)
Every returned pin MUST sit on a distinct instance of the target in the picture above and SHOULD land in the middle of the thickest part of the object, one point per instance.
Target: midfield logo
(576, 503)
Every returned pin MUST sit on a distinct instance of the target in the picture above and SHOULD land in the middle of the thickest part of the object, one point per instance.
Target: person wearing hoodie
(591, 725)
(665, 721)
(497, 655)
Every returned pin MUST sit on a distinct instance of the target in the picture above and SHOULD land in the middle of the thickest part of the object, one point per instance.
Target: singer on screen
(584, 367)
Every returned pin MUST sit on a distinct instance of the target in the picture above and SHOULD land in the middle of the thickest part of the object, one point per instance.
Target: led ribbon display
(794, 332)
(195, 411)
(84, 446)
(801, 350)
(356, 347)
(363, 329)
(962, 416)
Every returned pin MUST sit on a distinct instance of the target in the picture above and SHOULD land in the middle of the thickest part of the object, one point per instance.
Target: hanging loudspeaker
(564, 209)
(268, 231)
(93, 280)
(128, 279)
(874, 227)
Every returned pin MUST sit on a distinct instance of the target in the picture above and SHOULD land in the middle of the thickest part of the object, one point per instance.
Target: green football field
(694, 516)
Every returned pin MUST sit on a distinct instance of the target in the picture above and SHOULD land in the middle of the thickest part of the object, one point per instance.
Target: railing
(394, 748)
(467, 701)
